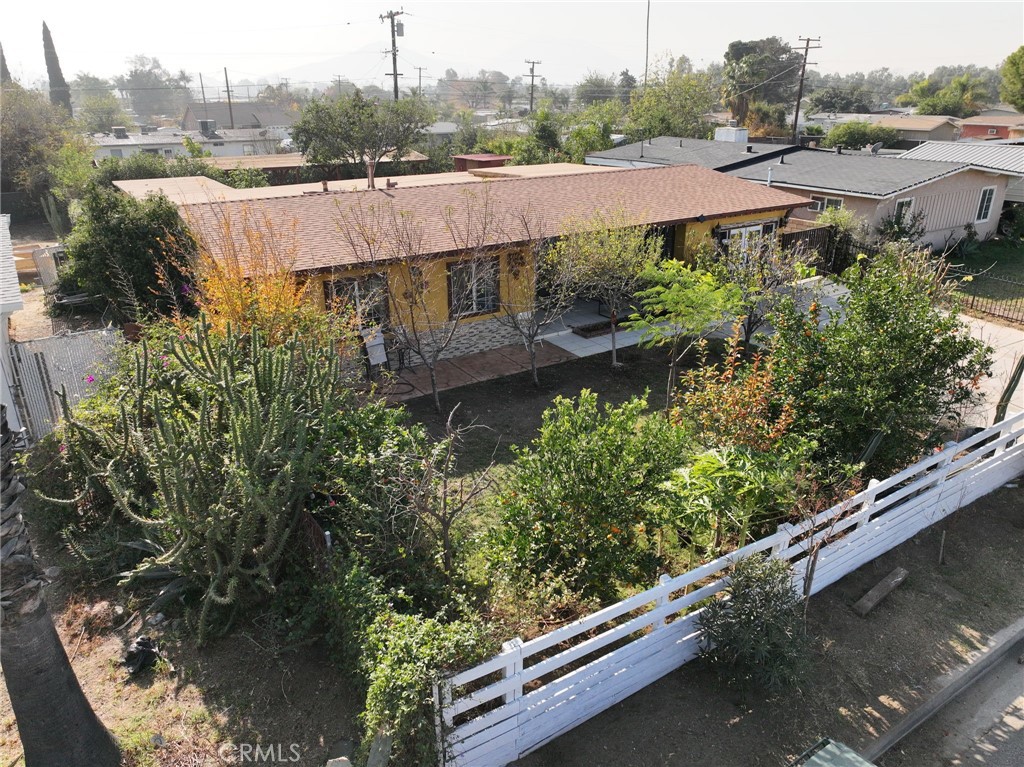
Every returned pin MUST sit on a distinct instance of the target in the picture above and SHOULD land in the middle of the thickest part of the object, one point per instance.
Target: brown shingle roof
(915, 122)
(647, 195)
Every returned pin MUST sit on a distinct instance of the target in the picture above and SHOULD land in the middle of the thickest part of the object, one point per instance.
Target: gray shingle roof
(859, 174)
(666, 150)
(246, 114)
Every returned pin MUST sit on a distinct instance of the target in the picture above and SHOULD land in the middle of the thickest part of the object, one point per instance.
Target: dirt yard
(866, 672)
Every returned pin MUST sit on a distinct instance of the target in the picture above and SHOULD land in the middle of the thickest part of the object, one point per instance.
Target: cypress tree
(5, 73)
(60, 93)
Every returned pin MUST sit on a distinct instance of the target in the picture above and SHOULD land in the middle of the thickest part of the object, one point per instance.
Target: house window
(743, 236)
(248, 149)
(988, 194)
(367, 296)
(903, 208)
(168, 153)
(992, 131)
(151, 151)
(824, 203)
(116, 153)
(473, 287)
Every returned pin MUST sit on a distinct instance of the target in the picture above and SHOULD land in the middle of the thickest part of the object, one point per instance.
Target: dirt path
(866, 672)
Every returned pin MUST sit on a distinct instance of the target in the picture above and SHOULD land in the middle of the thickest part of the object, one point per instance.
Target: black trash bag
(142, 654)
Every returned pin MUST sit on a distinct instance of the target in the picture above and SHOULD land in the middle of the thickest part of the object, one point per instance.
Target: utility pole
(647, 42)
(532, 75)
(227, 87)
(337, 80)
(390, 16)
(202, 88)
(803, 72)
(419, 89)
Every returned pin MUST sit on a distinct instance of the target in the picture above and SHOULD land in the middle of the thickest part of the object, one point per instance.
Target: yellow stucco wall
(690, 235)
(515, 281)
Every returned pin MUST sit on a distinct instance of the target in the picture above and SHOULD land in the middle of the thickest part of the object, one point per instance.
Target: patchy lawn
(999, 287)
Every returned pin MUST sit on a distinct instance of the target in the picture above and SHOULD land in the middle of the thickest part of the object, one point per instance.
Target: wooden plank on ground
(885, 587)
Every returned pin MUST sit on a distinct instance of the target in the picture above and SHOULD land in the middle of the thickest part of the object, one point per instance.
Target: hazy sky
(313, 40)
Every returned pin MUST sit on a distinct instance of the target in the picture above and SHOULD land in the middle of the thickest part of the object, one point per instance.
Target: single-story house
(915, 129)
(990, 126)
(996, 156)
(443, 240)
(949, 194)
(668, 150)
(169, 143)
(237, 115)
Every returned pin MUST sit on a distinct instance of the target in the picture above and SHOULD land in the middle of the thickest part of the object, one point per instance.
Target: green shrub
(859, 134)
(755, 638)
(403, 657)
(579, 502)
(890, 363)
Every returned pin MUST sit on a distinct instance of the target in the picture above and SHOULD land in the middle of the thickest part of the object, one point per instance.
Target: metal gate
(40, 368)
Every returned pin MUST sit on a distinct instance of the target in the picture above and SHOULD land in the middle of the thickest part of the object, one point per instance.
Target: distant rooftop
(1005, 157)
(668, 150)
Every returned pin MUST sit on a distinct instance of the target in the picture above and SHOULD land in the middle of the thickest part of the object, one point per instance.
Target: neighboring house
(687, 203)
(916, 129)
(441, 131)
(990, 126)
(170, 143)
(667, 150)
(1008, 158)
(10, 302)
(951, 195)
(238, 114)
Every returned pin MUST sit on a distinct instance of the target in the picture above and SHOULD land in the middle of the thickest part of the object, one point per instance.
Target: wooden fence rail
(534, 691)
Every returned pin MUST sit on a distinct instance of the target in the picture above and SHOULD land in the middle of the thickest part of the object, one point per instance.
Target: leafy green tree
(154, 92)
(591, 130)
(858, 134)
(135, 253)
(595, 88)
(85, 85)
(546, 127)
(963, 97)
(60, 94)
(626, 86)
(672, 105)
(579, 504)
(100, 111)
(877, 379)
(609, 256)
(766, 119)
(32, 132)
(357, 130)
(524, 150)
(838, 99)
(681, 306)
(1012, 88)
(765, 70)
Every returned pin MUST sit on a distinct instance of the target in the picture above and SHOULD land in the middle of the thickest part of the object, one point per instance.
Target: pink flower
(63, 448)
(90, 379)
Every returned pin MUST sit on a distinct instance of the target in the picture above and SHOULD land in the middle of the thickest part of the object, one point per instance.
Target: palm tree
(58, 727)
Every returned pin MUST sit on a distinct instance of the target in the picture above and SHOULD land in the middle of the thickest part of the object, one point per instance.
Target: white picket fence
(534, 691)
(39, 369)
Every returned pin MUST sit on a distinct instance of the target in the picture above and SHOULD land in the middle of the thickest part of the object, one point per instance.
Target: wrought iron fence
(986, 294)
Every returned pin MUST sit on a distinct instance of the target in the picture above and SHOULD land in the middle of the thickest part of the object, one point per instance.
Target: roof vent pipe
(782, 159)
(769, 175)
(750, 148)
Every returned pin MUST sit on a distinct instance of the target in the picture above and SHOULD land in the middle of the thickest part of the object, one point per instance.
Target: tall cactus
(214, 454)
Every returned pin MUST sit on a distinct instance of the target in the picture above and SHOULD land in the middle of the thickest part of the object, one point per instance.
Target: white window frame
(168, 153)
(909, 203)
(987, 205)
(248, 149)
(745, 232)
(482, 298)
(992, 131)
(367, 294)
(822, 202)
